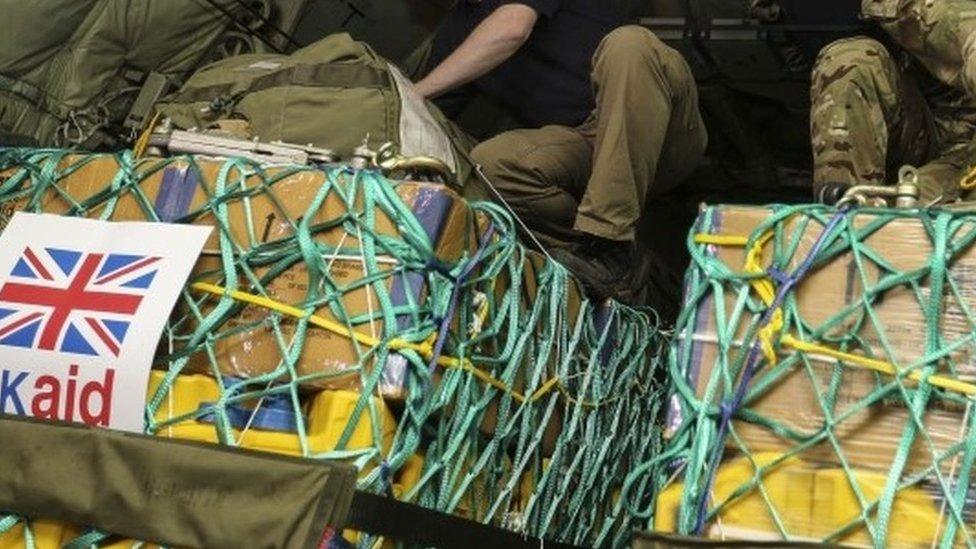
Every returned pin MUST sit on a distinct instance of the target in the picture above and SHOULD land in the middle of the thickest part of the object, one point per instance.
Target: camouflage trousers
(870, 116)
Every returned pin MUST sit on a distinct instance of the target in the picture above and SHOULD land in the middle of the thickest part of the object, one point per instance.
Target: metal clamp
(905, 194)
(389, 160)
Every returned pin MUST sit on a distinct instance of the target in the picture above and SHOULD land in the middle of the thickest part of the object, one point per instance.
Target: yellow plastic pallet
(811, 503)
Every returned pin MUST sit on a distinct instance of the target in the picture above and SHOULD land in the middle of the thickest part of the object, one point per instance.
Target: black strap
(242, 27)
(267, 21)
(415, 525)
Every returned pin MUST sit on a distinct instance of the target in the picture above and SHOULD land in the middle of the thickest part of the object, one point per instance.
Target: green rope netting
(902, 298)
(586, 372)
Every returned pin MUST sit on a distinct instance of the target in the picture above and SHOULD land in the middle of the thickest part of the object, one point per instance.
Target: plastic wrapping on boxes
(338, 315)
(810, 502)
(265, 208)
(855, 330)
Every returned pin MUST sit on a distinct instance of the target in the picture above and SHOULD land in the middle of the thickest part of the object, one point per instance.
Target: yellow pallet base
(812, 503)
(328, 414)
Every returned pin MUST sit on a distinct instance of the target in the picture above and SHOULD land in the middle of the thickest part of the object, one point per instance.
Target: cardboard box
(836, 290)
(532, 265)
(262, 216)
(259, 216)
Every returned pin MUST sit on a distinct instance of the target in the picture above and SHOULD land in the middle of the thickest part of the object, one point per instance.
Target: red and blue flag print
(73, 301)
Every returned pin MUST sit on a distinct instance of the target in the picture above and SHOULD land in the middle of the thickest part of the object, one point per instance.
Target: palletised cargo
(823, 378)
(338, 315)
(265, 210)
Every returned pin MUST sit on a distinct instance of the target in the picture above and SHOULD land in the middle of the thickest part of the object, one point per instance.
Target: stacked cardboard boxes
(869, 294)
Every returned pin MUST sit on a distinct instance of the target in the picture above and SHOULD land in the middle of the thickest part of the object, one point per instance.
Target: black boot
(605, 267)
(829, 193)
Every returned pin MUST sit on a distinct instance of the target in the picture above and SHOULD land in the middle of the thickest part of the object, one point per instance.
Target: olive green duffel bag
(332, 94)
(71, 69)
(172, 492)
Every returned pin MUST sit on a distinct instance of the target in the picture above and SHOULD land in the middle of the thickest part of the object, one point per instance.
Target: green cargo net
(802, 339)
(523, 412)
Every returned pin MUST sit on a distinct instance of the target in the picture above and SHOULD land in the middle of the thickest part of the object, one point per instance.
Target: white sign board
(82, 306)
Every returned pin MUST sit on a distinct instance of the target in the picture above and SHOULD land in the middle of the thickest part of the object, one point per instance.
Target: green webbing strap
(332, 75)
(87, 540)
(32, 94)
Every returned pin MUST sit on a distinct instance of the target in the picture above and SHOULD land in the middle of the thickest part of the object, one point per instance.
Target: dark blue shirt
(548, 80)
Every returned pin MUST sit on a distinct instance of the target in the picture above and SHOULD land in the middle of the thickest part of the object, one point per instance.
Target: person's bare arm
(496, 39)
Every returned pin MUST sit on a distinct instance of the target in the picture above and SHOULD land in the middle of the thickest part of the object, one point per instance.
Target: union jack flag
(72, 301)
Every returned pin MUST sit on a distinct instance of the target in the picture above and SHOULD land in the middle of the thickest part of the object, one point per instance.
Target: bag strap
(415, 525)
(331, 75)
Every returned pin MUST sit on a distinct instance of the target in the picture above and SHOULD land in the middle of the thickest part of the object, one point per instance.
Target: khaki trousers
(645, 135)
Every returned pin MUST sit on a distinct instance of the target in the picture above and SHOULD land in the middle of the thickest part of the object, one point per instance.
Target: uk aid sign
(82, 306)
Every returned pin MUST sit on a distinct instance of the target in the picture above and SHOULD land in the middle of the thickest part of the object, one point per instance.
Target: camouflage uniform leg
(941, 36)
(969, 56)
(939, 179)
(867, 118)
(939, 33)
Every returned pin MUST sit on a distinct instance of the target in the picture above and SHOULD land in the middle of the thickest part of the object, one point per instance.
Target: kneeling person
(911, 100)
(613, 117)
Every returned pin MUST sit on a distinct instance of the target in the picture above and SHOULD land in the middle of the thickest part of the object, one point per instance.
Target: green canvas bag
(72, 79)
(333, 94)
(172, 492)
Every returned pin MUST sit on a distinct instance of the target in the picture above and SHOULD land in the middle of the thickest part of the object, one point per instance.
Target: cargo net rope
(514, 401)
(773, 418)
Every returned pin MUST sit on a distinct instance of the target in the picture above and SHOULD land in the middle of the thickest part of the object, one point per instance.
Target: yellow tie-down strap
(767, 336)
(425, 349)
